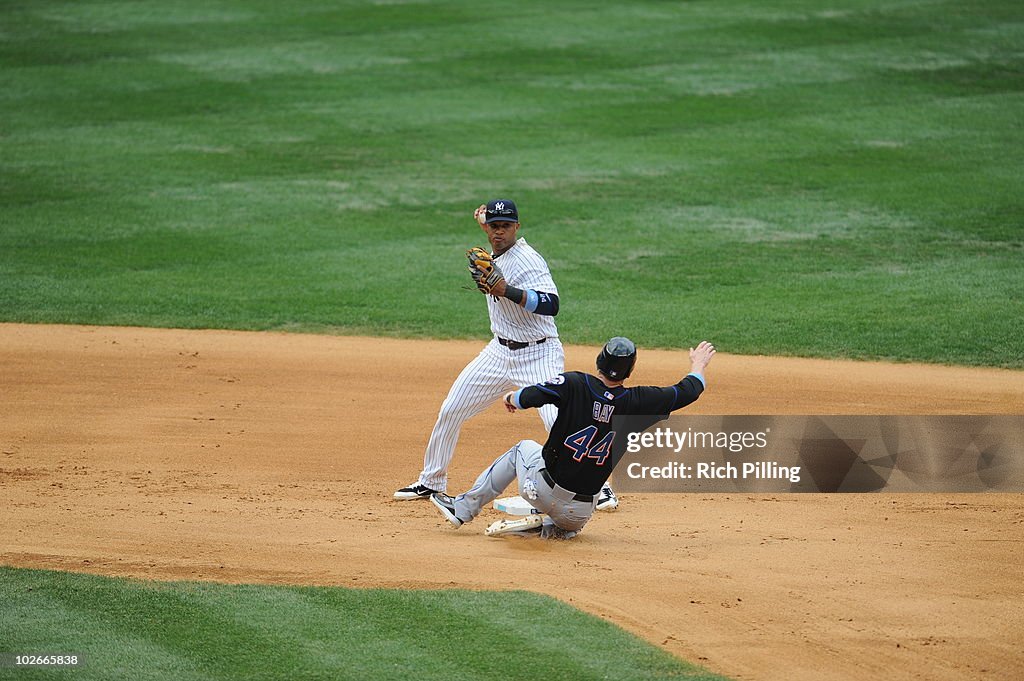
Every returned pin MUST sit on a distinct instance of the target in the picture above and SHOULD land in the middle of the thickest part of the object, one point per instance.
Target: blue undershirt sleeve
(532, 300)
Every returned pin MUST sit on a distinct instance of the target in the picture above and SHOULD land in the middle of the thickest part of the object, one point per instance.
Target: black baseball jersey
(579, 450)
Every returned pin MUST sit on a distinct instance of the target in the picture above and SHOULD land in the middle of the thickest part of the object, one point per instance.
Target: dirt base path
(272, 458)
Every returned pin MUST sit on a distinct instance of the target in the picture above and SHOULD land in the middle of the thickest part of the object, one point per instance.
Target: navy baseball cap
(501, 210)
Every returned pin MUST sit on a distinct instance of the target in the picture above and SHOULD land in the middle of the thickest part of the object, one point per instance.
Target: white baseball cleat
(517, 525)
(606, 499)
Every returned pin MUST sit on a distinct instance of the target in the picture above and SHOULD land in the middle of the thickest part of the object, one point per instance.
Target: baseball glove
(485, 271)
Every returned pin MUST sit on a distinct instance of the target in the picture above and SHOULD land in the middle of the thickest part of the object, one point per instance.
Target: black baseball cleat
(414, 491)
(446, 505)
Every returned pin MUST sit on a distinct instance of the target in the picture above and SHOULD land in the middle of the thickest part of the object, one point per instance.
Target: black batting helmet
(617, 358)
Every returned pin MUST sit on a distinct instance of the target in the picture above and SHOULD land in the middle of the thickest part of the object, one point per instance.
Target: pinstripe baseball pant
(493, 372)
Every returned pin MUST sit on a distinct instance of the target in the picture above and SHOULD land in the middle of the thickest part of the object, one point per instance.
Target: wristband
(514, 294)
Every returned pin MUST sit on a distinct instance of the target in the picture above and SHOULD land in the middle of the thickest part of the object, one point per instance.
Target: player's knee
(572, 517)
(520, 447)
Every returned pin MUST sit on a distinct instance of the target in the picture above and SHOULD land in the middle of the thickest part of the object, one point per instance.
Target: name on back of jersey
(603, 412)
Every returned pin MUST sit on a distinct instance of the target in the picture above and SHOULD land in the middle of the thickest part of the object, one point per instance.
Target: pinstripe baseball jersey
(523, 268)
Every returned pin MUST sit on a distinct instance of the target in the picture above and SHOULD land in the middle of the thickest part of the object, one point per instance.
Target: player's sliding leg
(491, 483)
(488, 486)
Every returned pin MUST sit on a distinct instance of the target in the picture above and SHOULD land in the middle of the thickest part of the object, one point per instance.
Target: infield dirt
(271, 457)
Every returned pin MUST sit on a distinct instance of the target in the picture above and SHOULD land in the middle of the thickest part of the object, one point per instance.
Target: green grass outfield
(186, 630)
(790, 177)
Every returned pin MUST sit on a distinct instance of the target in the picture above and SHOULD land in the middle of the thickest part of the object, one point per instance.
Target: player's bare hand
(480, 214)
(701, 355)
(508, 402)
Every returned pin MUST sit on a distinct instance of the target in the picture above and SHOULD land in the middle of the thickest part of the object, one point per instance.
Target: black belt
(579, 497)
(516, 345)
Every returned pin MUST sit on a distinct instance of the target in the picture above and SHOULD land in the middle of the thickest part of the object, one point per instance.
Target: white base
(515, 506)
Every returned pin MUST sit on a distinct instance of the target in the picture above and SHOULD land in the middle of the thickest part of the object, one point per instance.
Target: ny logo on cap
(499, 206)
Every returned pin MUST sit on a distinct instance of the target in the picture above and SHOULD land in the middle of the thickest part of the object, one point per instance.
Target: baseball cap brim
(501, 218)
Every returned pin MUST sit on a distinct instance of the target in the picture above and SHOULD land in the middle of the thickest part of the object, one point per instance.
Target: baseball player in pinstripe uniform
(522, 302)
